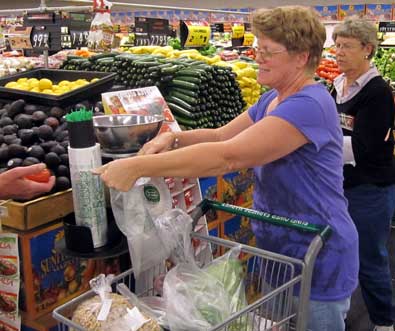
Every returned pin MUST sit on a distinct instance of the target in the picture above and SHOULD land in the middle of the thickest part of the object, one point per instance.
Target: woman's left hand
(118, 174)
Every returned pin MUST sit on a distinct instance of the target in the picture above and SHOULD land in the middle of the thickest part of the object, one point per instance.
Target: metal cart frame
(274, 310)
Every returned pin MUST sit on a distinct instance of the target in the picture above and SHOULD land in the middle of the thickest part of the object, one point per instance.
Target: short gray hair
(358, 28)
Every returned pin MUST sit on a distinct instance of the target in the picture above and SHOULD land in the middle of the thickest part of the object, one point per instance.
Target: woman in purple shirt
(293, 139)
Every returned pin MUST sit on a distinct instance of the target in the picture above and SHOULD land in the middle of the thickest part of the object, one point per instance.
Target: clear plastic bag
(101, 33)
(134, 212)
(198, 299)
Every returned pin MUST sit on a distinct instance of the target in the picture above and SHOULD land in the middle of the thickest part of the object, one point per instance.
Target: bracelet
(176, 142)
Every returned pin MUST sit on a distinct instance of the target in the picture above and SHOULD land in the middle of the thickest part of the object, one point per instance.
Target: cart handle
(323, 231)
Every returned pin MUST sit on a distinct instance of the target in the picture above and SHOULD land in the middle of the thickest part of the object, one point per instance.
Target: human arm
(14, 185)
(166, 141)
(259, 144)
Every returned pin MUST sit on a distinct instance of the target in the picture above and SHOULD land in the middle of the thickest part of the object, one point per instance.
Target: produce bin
(105, 82)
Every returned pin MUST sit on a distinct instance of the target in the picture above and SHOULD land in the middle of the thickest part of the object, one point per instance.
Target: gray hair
(358, 28)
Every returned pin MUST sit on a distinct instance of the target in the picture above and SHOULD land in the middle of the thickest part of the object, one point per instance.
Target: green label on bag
(151, 193)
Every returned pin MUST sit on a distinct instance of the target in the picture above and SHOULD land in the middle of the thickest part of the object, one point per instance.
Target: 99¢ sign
(195, 33)
(40, 40)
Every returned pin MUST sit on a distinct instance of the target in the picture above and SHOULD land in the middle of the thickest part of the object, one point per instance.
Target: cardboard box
(49, 278)
(44, 323)
(31, 214)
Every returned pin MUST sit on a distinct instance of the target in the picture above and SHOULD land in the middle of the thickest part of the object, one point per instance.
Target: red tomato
(40, 177)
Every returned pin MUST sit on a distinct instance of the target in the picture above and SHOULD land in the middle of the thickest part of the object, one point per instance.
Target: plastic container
(105, 82)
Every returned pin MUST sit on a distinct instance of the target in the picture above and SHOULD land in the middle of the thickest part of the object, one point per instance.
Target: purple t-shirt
(307, 185)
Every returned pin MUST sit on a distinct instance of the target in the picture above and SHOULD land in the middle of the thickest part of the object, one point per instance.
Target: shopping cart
(272, 275)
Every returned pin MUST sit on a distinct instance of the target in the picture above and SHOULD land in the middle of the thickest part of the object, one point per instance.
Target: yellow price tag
(238, 31)
(248, 39)
(198, 34)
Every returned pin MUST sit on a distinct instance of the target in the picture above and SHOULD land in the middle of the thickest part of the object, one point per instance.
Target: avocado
(30, 161)
(58, 149)
(98, 107)
(47, 145)
(16, 108)
(17, 141)
(52, 122)
(62, 136)
(27, 136)
(36, 151)
(45, 132)
(10, 138)
(63, 170)
(65, 159)
(62, 183)
(4, 153)
(1, 139)
(15, 162)
(62, 127)
(3, 111)
(39, 117)
(57, 112)
(24, 121)
(10, 129)
(6, 121)
(30, 109)
(15, 150)
(52, 160)
(65, 144)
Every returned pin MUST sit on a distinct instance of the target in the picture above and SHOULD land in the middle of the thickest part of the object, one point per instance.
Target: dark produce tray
(105, 82)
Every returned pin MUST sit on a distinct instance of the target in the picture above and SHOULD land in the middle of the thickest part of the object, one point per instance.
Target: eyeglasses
(266, 53)
(346, 47)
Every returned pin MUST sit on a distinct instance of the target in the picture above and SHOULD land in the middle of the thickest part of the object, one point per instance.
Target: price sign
(79, 38)
(248, 39)
(238, 31)
(387, 26)
(19, 37)
(151, 31)
(40, 40)
(195, 33)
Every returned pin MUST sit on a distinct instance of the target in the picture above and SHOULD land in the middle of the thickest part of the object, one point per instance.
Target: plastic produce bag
(134, 212)
(198, 299)
(101, 34)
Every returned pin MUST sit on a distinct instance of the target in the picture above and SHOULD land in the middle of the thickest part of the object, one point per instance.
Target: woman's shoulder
(377, 86)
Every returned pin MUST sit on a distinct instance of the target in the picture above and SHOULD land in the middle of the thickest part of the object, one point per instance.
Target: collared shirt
(355, 87)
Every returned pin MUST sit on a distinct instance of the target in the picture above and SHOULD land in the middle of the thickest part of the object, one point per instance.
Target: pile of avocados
(31, 134)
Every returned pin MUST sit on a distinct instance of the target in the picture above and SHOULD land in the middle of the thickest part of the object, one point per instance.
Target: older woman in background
(366, 107)
(293, 139)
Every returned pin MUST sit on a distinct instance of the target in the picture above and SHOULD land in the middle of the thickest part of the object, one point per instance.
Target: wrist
(176, 141)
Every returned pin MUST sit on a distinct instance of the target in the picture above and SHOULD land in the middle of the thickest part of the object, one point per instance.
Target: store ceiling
(195, 4)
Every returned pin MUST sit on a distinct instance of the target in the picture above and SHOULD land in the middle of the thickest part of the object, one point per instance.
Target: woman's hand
(162, 143)
(118, 174)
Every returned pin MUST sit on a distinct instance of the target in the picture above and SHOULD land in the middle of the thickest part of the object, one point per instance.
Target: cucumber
(189, 93)
(185, 98)
(190, 79)
(185, 121)
(180, 102)
(180, 111)
(185, 85)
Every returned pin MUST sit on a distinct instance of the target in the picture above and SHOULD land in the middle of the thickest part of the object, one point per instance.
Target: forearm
(188, 138)
(211, 161)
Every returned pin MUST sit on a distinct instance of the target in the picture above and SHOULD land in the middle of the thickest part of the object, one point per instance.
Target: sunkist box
(48, 278)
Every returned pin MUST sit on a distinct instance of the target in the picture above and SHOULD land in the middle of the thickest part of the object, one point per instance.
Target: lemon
(94, 80)
(33, 83)
(64, 83)
(45, 84)
(35, 89)
(21, 80)
(47, 91)
(11, 84)
(81, 81)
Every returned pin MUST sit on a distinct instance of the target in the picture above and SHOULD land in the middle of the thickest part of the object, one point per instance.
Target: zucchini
(102, 56)
(180, 111)
(185, 85)
(192, 72)
(190, 79)
(159, 67)
(189, 93)
(180, 102)
(185, 98)
(170, 70)
(185, 121)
